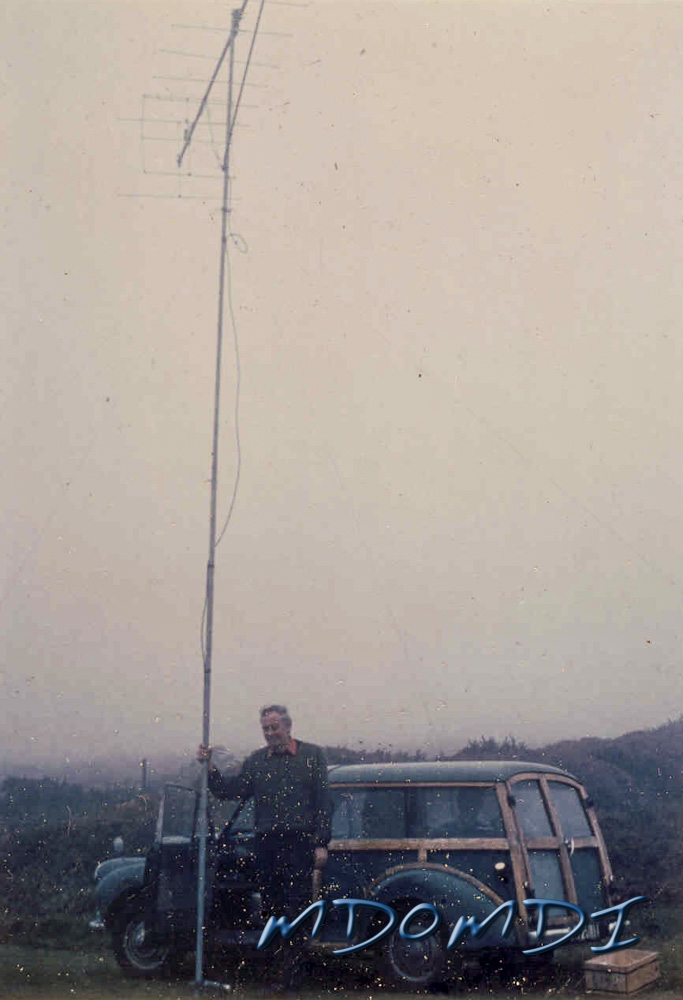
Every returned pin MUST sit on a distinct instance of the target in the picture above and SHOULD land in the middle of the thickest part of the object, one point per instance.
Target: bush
(46, 871)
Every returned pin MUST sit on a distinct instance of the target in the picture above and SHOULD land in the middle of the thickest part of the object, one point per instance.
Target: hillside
(46, 870)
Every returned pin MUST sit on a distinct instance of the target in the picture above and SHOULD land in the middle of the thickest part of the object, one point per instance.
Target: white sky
(459, 329)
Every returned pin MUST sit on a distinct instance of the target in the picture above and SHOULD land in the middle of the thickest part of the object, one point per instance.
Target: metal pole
(203, 824)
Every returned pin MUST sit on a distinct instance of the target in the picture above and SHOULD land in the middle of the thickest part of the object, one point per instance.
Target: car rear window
(531, 810)
(570, 810)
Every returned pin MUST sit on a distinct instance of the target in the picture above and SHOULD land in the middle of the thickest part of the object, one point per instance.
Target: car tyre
(136, 954)
(414, 965)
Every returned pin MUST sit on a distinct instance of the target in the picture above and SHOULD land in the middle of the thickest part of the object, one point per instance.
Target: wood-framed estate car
(463, 838)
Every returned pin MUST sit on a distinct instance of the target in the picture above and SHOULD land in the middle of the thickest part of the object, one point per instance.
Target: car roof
(438, 771)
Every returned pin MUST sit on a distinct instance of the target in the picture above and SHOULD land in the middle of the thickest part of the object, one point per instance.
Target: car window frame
(423, 845)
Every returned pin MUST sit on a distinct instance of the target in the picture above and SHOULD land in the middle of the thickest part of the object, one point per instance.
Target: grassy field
(87, 970)
(56, 974)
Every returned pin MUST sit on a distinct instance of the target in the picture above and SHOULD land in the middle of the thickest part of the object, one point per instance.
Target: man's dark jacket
(289, 791)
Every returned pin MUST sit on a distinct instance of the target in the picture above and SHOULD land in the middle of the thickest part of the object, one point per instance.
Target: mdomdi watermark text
(462, 926)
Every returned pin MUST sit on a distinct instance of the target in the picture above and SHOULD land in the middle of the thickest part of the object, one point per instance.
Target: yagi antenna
(232, 109)
(229, 47)
(228, 50)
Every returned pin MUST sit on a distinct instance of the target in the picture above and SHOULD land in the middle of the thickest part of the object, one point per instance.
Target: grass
(662, 931)
(56, 974)
(87, 970)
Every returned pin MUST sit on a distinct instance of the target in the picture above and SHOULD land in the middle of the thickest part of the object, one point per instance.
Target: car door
(175, 860)
(235, 903)
(230, 875)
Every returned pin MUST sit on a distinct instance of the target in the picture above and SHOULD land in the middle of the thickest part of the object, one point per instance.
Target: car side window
(471, 812)
(368, 814)
(178, 814)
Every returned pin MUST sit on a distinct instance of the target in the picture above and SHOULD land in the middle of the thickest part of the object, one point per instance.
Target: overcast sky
(456, 281)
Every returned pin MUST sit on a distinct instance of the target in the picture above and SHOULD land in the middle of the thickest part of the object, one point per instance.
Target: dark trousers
(285, 870)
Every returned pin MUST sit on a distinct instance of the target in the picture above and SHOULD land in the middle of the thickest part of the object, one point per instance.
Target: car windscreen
(239, 815)
(446, 812)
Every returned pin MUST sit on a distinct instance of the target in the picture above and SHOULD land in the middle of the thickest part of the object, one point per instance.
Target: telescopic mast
(203, 825)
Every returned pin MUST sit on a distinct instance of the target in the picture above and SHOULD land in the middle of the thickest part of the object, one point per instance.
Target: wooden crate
(621, 972)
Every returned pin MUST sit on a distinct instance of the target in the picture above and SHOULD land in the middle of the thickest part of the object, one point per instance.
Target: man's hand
(319, 858)
(203, 753)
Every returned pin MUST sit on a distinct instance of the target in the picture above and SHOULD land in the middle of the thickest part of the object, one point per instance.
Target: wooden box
(622, 972)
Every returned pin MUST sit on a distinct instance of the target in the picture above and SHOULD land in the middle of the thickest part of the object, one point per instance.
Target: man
(288, 781)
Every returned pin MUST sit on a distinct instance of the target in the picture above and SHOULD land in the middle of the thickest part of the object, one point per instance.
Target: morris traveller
(459, 837)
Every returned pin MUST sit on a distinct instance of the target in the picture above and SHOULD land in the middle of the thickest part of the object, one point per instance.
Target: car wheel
(136, 953)
(414, 965)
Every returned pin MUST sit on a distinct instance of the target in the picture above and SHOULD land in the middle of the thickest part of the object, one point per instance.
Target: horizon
(173, 762)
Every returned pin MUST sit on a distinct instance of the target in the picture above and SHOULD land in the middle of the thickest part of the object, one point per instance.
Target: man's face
(276, 733)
